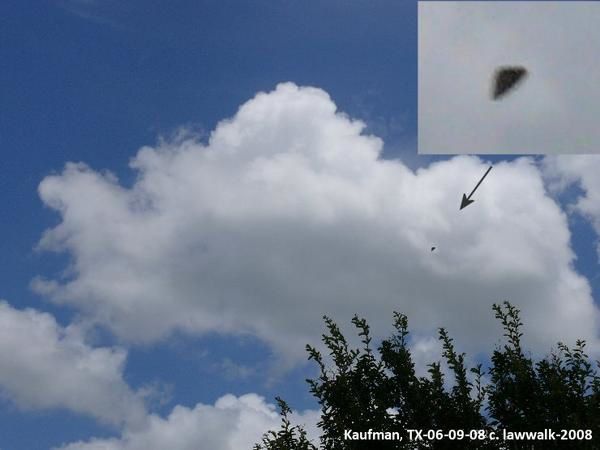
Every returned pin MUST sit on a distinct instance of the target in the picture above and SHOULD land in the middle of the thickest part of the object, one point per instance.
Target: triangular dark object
(506, 78)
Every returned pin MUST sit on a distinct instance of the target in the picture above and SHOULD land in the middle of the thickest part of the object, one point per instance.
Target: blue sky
(92, 82)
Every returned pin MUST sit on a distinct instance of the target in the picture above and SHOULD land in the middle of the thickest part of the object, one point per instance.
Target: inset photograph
(509, 77)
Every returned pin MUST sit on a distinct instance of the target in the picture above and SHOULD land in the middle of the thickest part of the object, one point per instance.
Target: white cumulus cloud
(289, 212)
(581, 170)
(232, 423)
(44, 365)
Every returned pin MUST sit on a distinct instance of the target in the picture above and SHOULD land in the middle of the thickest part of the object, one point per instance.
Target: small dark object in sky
(432, 248)
(506, 78)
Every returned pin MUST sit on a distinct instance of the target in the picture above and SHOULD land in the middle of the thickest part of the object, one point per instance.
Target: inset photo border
(547, 54)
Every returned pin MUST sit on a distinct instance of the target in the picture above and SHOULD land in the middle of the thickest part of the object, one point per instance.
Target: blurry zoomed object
(506, 78)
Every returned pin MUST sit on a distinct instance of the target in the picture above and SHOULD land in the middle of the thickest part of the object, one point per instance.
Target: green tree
(362, 389)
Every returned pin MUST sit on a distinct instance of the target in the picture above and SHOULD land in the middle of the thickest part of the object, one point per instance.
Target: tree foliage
(364, 389)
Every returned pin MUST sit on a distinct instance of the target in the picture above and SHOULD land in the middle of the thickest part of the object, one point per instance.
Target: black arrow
(466, 201)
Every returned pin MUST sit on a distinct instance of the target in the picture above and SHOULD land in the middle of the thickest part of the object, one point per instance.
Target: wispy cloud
(96, 11)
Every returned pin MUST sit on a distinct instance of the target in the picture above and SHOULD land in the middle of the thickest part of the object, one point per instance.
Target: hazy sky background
(554, 111)
(187, 187)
